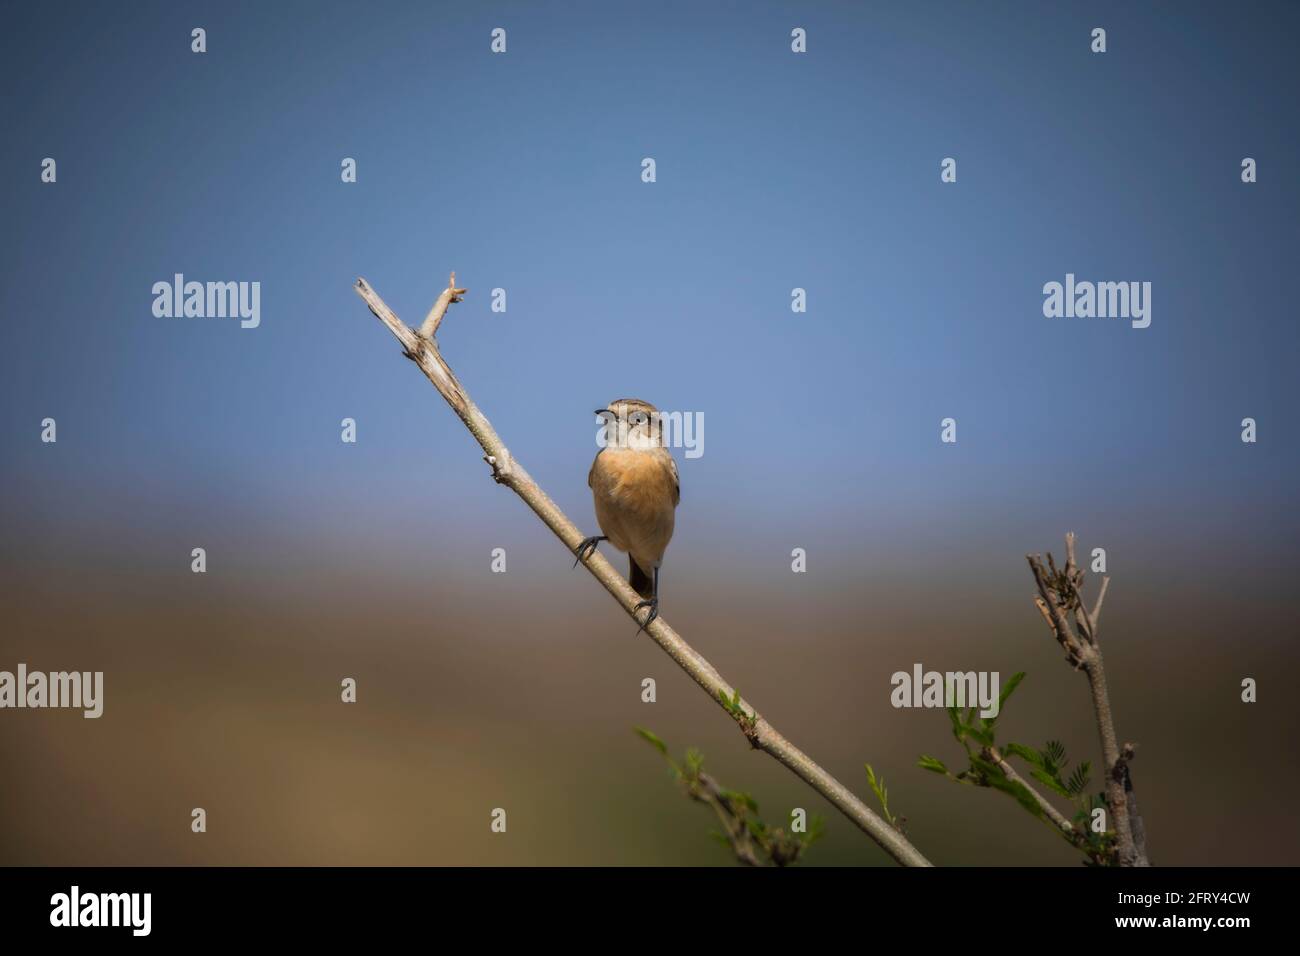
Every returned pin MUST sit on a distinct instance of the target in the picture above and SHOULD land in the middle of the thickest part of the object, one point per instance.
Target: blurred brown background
(520, 690)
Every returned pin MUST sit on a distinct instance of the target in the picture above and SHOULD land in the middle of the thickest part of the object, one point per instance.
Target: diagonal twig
(1055, 816)
(423, 350)
(1096, 608)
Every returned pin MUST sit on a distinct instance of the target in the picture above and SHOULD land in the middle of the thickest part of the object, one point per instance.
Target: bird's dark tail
(641, 583)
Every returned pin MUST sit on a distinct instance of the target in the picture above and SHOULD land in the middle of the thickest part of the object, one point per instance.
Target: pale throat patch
(640, 439)
(631, 439)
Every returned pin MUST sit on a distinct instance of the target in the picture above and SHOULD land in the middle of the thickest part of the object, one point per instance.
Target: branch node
(451, 294)
(501, 467)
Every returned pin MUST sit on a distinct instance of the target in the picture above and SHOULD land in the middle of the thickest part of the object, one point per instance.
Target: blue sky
(775, 171)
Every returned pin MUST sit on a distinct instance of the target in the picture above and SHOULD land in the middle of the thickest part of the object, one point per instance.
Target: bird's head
(631, 423)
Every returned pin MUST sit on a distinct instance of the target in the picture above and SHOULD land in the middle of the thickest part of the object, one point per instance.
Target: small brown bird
(635, 487)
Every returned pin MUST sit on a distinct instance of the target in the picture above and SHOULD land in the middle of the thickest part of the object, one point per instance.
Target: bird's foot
(588, 546)
(653, 605)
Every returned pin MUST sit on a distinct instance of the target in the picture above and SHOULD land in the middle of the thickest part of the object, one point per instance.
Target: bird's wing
(677, 481)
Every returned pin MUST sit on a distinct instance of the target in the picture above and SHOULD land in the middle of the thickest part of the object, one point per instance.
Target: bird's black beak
(602, 411)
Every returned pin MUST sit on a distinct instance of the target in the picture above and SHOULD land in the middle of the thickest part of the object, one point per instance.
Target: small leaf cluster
(753, 842)
(733, 706)
(1047, 766)
(877, 785)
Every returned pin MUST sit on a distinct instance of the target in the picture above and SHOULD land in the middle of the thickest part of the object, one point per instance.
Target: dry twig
(1060, 598)
(423, 350)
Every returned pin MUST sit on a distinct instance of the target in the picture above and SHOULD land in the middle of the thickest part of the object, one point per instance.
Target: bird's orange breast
(638, 481)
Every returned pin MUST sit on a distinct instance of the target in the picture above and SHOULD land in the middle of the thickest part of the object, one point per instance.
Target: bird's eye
(639, 418)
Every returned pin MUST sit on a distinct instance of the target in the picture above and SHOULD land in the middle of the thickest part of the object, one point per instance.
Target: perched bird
(635, 487)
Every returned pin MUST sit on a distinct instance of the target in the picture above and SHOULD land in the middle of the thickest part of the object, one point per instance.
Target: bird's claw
(586, 547)
(653, 605)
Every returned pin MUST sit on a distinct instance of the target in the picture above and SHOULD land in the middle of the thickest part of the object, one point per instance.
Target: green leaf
(732, 704)
(1078, 781)
(1050, 781)
(1028, 754)
(958, 729)
(742, 799)
(878, 787)
(694, 761)
(653, 740)
(1007, 690)
(932, 763)
(1054, 756)
(1023, 796)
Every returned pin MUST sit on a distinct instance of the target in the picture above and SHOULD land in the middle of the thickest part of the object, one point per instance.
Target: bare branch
(423, 350)
(1059, 593)
(434, 319)
(1096, 608)
(1050, 604)
(1135, 819)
